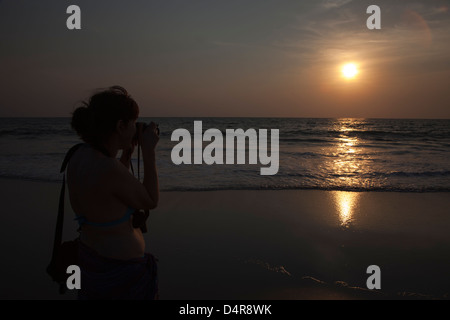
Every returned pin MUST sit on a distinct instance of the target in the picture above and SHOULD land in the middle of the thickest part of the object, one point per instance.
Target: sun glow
(349, 70)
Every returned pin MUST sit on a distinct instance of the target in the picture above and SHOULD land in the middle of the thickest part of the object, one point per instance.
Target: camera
(143, 124)
(144, 127)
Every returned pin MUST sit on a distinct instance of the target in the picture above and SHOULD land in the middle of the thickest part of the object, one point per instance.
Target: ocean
(410, 155)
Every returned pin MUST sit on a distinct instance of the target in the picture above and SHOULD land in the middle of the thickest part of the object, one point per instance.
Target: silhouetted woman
(105, 195)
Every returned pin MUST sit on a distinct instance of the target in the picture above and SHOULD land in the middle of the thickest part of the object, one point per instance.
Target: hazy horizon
(231, 58)
(194, 117)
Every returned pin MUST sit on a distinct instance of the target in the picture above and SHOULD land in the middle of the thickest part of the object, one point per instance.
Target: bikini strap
(83, 220)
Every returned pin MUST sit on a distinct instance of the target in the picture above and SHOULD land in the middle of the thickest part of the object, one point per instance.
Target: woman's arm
(127, 187)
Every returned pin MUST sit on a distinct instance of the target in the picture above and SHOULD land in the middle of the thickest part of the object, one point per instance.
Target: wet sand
(286, 244)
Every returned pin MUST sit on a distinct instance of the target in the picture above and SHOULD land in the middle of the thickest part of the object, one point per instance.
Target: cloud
(442, 9)
(413, 38)
(331, 4)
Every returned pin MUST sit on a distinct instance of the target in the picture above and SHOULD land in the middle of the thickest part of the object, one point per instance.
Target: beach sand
(277, 244)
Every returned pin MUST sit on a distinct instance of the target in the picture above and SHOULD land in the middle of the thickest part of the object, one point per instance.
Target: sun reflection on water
(348, 166)
(349, 162)
(345, 166)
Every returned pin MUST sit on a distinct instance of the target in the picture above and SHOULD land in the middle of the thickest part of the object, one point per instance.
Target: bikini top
(139, 216)
(83, 220)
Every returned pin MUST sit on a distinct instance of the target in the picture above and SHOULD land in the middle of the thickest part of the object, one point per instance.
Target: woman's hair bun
(96, 120)
(82, 122)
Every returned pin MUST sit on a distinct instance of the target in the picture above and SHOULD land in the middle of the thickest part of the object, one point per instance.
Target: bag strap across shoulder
(60, 218)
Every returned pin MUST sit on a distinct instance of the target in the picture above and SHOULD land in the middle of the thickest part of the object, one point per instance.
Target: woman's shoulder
(88, 161)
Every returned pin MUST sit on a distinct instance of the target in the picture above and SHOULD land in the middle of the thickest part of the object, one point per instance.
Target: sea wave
(315, 154)
(274, 187)
(37, 132)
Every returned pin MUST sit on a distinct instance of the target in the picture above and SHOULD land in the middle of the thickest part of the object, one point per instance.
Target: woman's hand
(149, 137)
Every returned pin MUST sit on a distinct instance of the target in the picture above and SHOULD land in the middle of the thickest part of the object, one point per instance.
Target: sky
(233, 58)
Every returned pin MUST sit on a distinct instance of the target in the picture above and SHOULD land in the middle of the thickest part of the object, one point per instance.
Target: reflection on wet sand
(346, 203)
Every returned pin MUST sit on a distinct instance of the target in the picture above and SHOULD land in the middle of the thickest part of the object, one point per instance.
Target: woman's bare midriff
(89, 197)
(116, 242)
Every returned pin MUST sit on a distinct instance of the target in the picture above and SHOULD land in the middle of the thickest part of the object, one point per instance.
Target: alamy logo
(374, 281)
(374, 21)
(74, 280)
(74, 20)
(214, 151)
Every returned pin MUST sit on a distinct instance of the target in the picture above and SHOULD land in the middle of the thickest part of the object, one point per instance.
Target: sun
(349, 70)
